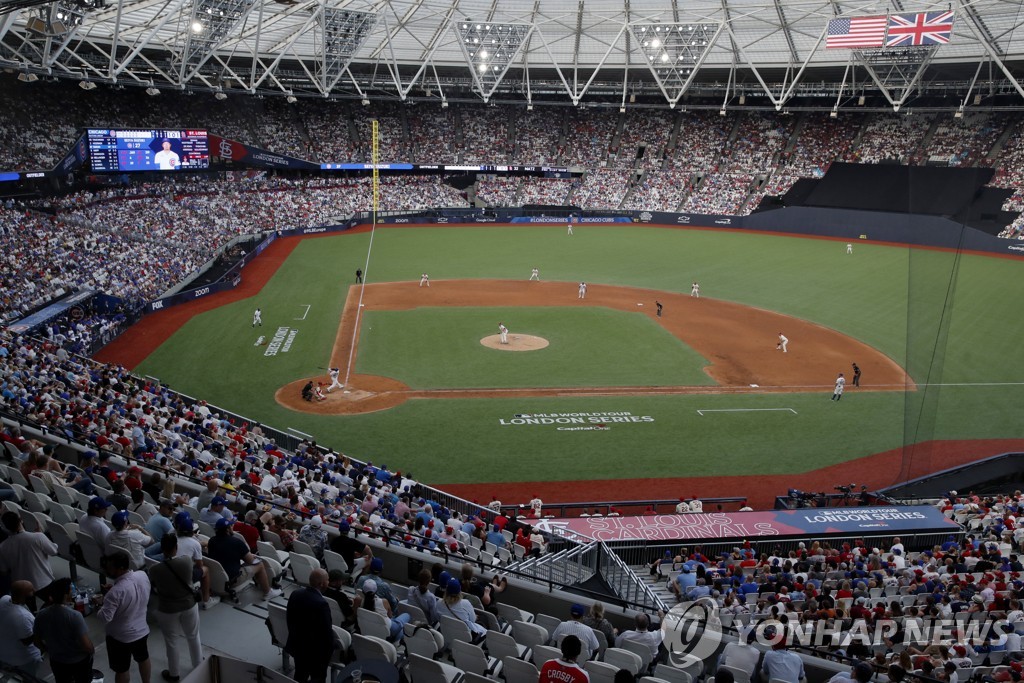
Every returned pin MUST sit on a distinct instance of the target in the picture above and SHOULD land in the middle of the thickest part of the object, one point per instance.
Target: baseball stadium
(651, 340)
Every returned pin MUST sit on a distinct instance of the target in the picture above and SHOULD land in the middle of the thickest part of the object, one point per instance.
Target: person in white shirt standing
(783, 342)
(167, 159)
(583, 290)
(334, 373)
(123, 610)
(503, 331)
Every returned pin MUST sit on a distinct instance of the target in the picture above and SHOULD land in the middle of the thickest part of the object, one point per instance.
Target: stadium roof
(525, 49)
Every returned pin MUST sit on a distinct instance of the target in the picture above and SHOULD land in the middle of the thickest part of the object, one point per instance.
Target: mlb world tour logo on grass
(575, 422)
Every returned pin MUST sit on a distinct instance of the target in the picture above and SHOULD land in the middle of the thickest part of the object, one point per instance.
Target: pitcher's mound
(516, 342)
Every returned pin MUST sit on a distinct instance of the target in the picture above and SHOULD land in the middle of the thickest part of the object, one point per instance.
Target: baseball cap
(98, 503)
(369, 586)
(224, 523)
(167, 502)
(453, 587)
(317, 521)
(577, 610)
(343, 527)
(376, 565)
(218, 500)
(119, 520)
(336, 575)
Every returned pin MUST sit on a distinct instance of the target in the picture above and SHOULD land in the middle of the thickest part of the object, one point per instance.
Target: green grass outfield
(954, 322)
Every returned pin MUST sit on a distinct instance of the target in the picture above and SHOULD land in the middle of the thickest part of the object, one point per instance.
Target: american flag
(923, 28)
(856, 32)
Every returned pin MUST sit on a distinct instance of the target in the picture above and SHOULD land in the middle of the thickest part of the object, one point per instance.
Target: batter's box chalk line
(745, 410)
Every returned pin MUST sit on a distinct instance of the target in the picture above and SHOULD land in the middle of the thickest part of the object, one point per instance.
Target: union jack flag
(922, 28)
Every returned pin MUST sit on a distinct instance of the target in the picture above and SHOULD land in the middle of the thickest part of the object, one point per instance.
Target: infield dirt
(738, 341)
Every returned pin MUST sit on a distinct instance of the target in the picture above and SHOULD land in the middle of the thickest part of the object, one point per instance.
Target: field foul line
(304, 314)
(742, 410)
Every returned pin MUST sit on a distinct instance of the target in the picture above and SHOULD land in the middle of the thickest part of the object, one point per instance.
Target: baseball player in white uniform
(783, 341)
(695, 290)
(583, 290)
(424, 280)
(334, 373)
(849, 247)
(503, 331)
(837, 393)
(257, 318)
(535, 274)
(569, 225)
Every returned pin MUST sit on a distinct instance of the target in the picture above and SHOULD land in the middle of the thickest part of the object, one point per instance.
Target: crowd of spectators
(134, 243)
(588, 137)
(499, 190)
(964, 141)
(889, 137)
(486, 135)
(602, 188)
(551, 191)
(662, 190)
(720, 193)
(432, 135)
(650, 129)
(537, 137)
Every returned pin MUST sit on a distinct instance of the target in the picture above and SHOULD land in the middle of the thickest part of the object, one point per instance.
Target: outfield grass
(949, 320)
(432, 348)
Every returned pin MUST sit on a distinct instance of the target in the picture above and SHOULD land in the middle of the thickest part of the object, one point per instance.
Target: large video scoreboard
(116, 151)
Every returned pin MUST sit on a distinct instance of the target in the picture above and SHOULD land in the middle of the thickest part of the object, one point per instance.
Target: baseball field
(619, 403)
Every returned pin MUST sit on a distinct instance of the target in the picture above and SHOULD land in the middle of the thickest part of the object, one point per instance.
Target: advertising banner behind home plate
(722, 526)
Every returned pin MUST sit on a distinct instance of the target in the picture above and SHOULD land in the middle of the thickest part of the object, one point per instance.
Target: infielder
(503, 331)
(849, 247)
(695, 290)
(257, 318)
(535, 274)
(424, 280)
(583, 290)
(856, 375)
(334, 379)
(783, 341)
(837, 393)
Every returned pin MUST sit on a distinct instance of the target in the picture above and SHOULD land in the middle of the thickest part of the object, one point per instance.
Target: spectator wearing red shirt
(565, 669)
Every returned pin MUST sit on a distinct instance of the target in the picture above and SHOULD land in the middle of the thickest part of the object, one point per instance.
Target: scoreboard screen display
(117, 151)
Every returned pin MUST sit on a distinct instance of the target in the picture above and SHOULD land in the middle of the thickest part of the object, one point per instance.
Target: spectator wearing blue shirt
(495, 536)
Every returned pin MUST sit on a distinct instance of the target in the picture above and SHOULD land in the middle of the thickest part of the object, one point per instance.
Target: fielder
(257, 318)
(569, 226)
(424, 280)
(783, 342)
(334, 379)
(695, 290)
(849, 247)
(583, 291)
(503, 331)
(837, 393)
(535, 274)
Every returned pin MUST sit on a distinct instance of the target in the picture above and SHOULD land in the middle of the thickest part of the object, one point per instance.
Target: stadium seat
(549, 622)
(739, 675)
(671, 674)
(333, 560)
(518, 671)
(454, 629)
(302, 566)
(369, 647)
(528, 634)
(373, 624)
(416, 615)
(344, 639)
(544, 653)
(624, 659)
(502, 645)
(423, 670)
(601, 672)
(469, 657)
(277, 623)
(423, 641)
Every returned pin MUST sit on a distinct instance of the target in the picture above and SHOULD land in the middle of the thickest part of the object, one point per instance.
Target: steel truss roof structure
(522, 50)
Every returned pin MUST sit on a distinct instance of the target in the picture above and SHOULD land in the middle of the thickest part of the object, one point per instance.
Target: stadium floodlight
(220, 96)
(366, 102)
(211, 22)
(622, 110)
(834, 114)
(290, 99)
(721, 112)
(489, 64)
(674, 52)
(444, 104)
(152, 92)
(959, 113)
(86, 85)
(529, 106)
(344, 33)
